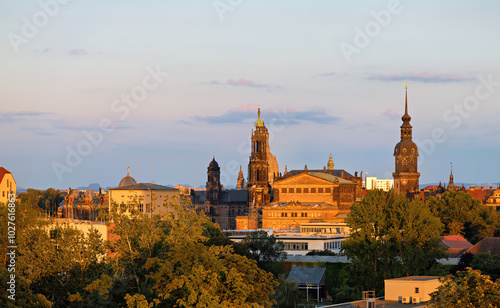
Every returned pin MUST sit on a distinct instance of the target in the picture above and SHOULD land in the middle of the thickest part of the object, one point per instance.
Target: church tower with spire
(406, 175)
(214, 186)
(258, 167)
(330, 165)
(240, 183)
(451, 184)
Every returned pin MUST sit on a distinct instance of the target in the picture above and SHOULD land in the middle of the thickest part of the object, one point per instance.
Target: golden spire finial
(128, 170)
(259, 123)
(213, 157)
(406, 84)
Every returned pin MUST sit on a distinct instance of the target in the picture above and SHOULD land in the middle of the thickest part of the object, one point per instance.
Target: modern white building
(338, 228)
(371, 183)
(301, 243)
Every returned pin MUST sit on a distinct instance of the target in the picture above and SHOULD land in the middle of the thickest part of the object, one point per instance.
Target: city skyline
(170, 85)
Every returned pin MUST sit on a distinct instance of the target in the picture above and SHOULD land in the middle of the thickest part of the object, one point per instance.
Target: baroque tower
(330, 163)
(406, 174)
(240, 183)
(258, 167)
(214, 186)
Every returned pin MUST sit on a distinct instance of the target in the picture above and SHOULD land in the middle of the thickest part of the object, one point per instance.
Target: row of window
(139, 207)
(5, 193)
(296, 246)
(292, 214)
(333, 245)
(313, 190)
(321, 230)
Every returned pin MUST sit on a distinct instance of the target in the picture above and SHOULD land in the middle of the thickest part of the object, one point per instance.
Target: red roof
(455, 241)
(478, 193)
(3, 172)
(489, 245)
(431, 187)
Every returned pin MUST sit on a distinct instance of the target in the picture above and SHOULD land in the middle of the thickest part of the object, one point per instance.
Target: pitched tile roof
(489, 245)
(3, 172)
(335, 172)
(455, 241)
(331, 178)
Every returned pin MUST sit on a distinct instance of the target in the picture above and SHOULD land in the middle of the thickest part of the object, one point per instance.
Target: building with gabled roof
(7, 185)
(316, 187)
(490, 245)
(311, 280)
(455, 245)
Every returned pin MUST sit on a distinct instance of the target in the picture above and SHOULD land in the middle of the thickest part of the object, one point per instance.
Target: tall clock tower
(258, 167)
(406, 174)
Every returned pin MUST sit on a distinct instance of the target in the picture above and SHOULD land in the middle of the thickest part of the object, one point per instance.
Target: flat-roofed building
(325, 228)
(371, 183)
(300, 244)
(147, 198)
(412, 289)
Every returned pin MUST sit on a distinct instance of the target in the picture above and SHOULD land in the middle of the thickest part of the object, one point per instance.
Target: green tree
(391, 237)
(487, 264)
(51, 260)
(266, 249)
(468, 289)
(287, 293)
(461, 214)
(164, 261)
(45, 200)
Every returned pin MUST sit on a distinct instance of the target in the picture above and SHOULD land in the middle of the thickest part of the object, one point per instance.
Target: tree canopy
(461, 214)
(391, 237)
(158, 261)
(467, 289)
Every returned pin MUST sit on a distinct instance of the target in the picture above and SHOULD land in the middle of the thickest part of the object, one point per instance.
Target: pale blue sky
(285, 56)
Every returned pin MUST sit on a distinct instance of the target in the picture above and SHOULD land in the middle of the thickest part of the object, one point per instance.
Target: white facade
(371, 183)
(339, 228)
(301, 244)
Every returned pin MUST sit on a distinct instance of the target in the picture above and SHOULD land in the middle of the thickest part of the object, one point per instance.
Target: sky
(88, 88)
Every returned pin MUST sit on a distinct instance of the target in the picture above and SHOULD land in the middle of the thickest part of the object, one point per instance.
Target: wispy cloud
(421, 77)
(242, 82)
(78, 52)
(326, 74)
(247, 114)
(391, 114)
(21, 115)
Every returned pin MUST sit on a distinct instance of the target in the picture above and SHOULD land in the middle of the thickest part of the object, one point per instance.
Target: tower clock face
(404, 182)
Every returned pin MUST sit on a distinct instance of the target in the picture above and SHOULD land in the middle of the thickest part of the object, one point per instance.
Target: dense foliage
(467, 289)
(158, 261)
(391, 237)
(461, 214)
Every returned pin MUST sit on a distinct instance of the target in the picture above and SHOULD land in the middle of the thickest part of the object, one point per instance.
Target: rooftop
(144, 186)
(415, 278)
(308, 275)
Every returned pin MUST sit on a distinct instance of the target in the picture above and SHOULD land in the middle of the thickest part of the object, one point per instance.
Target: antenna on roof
(136, 178)
(153, 174)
